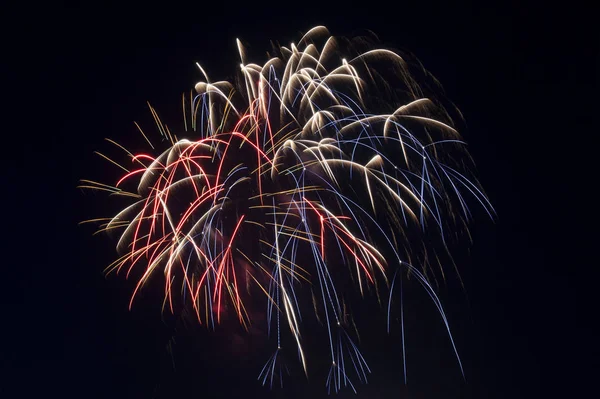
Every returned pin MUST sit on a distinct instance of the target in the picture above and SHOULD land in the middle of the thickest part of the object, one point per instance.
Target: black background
(520, 75)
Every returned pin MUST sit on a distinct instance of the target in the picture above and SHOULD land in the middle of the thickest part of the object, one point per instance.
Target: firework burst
(308, 178)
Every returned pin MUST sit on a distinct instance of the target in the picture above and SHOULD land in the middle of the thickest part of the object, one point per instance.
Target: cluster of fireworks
(303, 183)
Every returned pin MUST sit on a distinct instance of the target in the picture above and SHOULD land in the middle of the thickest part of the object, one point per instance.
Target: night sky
(85, 73)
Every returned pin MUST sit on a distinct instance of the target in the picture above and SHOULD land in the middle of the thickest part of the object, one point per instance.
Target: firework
(300, 186)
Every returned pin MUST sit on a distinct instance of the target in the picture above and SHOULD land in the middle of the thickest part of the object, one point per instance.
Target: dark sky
(85, 73)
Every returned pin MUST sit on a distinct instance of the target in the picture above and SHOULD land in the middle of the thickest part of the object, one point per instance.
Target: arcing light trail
(310, 176)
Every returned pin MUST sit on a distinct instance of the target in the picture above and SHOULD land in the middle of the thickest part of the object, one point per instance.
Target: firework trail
(308, 178)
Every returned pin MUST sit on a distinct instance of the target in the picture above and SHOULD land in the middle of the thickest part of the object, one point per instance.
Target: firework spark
(308, 178)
